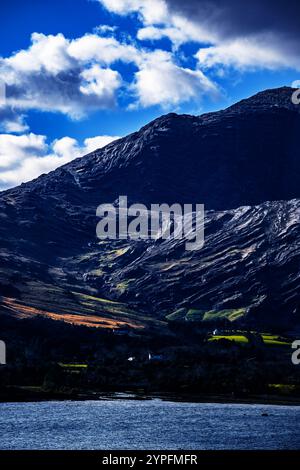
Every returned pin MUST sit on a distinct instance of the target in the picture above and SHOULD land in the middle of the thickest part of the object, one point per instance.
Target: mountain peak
(280, 98)
(243, 155)
(271, 98)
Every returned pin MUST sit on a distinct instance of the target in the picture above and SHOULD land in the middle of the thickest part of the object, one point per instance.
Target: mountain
(242, 163)
(248, 269)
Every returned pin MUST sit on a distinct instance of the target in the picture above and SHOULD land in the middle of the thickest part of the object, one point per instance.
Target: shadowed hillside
(233, 161)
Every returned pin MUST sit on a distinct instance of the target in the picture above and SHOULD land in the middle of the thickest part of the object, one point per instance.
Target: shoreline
(21, 395)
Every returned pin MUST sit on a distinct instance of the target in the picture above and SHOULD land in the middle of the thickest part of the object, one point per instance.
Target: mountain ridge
(278, 98)
(233, 161)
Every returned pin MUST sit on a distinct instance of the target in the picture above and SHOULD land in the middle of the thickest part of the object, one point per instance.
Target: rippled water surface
(149, 424)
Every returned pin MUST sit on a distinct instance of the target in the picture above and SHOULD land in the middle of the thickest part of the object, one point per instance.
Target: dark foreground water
(153, 424)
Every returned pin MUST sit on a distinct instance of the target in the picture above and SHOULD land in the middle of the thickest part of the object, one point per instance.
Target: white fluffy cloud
(24, 157)
(179, 32)
(246, 54)
(104, 50)
(68, 76)
(159, 21)
(161, 82)
(150, 11)
(13, 124)
(14, 149)
(257, 49)
(48, 53)
(82, 75)
(77, 76)
(97, 81)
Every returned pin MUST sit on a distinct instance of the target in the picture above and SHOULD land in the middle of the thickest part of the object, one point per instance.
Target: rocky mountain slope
(248, 269)
(233, 161)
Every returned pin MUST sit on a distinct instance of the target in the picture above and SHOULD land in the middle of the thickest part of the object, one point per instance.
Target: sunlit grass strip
(72, 366)
(275, 340)
(197, 315)
(229, 314)
(236, 338)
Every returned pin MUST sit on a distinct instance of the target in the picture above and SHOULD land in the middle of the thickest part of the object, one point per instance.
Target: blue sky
(79, 73)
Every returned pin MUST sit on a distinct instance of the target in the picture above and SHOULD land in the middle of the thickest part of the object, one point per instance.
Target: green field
(230, 314)
(197, 315)
(268, 339)
(275, 340)
(237, 338)
(73, 366)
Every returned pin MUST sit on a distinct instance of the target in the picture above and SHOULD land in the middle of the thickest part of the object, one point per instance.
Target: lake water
(147, 424)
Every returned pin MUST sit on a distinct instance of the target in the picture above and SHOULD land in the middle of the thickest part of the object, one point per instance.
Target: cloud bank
(79, 76)
(243, 35)
(24, 157)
